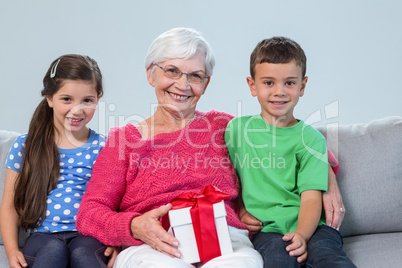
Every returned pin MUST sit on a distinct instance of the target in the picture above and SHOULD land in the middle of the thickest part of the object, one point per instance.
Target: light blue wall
(353, 49)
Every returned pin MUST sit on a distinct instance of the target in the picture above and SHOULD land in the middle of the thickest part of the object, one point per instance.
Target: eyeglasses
(175, 73)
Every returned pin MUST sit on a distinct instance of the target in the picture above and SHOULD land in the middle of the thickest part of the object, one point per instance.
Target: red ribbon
(203, 219)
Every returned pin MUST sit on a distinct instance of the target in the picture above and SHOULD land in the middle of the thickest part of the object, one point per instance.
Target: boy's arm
(309, 217)
(309, 213)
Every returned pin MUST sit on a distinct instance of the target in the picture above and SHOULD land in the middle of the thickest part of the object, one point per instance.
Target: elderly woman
(176, 150)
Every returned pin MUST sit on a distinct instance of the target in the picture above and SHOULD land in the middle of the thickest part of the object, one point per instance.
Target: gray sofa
(370, 180)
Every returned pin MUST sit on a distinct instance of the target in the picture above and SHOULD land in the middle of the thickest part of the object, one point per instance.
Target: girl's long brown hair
(40, 167)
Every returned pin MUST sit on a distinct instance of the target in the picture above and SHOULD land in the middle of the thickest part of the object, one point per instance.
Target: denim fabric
(324, 250)
(63, 249)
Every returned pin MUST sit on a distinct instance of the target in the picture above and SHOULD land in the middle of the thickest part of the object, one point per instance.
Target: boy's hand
(298, 246)
(112, 252)
(252, 223)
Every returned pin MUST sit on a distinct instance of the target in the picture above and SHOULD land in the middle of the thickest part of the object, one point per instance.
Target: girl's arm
(9, 222)
(309, 217)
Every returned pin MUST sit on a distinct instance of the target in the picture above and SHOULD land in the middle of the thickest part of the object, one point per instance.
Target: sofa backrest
(370, 174)
(7, 139)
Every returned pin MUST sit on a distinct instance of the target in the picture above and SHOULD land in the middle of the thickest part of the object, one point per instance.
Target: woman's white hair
(179, 43)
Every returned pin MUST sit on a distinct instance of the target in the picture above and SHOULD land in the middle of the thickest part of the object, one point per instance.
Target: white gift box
(181, 223)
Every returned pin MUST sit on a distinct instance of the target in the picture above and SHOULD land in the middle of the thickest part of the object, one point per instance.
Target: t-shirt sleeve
(313, 173)
(15, 156)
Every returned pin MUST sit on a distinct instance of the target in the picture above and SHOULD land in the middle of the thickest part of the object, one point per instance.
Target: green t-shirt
(275, 165)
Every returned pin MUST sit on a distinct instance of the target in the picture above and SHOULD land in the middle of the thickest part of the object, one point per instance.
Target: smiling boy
(286, 198)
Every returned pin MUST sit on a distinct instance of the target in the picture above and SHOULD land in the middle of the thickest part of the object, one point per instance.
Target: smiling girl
(48, 170)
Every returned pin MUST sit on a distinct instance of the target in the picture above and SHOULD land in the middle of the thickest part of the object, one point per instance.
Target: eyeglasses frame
(181, 74)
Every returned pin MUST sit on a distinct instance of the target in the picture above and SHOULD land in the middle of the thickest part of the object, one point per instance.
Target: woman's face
(179, 96)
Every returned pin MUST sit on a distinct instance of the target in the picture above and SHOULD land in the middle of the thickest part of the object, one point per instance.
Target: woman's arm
(332, 202)
(9, 222)
(332, 199)
(99, 215)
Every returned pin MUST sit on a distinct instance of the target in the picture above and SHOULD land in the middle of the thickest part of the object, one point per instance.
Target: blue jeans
(324, 250)
(63, 249)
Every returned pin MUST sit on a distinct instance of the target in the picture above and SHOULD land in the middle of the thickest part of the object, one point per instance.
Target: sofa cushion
(374, 250)
(370, 174)
(7, 138)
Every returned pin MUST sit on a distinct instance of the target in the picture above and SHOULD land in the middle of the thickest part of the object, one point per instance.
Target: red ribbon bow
(203, 219)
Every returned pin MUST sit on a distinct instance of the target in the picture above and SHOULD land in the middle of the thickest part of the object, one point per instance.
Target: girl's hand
(297, 247)
(112, 252)
(252, 223)
(17, 260)
(148, 229)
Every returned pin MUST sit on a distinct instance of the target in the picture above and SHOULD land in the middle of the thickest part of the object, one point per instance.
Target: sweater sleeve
(333, 162)
(99, 215)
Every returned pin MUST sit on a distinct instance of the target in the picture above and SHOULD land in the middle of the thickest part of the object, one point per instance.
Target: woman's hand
(332, 202)
(112, 253)
(148, 229)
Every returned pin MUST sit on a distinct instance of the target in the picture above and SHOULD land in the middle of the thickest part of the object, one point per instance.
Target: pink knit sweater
(132, 176)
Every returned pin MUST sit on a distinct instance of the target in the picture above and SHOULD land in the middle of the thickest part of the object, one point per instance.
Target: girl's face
(179, 96)
(73, 106)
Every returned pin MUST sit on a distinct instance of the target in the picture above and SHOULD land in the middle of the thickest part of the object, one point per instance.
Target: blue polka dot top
(75, 172)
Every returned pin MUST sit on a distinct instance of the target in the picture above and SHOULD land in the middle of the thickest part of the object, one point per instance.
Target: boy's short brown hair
(277, 49)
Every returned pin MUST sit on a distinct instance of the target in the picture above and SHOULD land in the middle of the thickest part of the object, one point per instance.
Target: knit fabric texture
(133, 175)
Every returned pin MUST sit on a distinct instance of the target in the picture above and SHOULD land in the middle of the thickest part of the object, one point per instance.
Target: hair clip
(54, 68)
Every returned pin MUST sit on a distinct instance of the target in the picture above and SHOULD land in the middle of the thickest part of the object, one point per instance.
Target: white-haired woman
(176, 150)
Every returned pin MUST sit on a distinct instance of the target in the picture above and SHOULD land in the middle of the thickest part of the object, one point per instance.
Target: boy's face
(278, 87)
